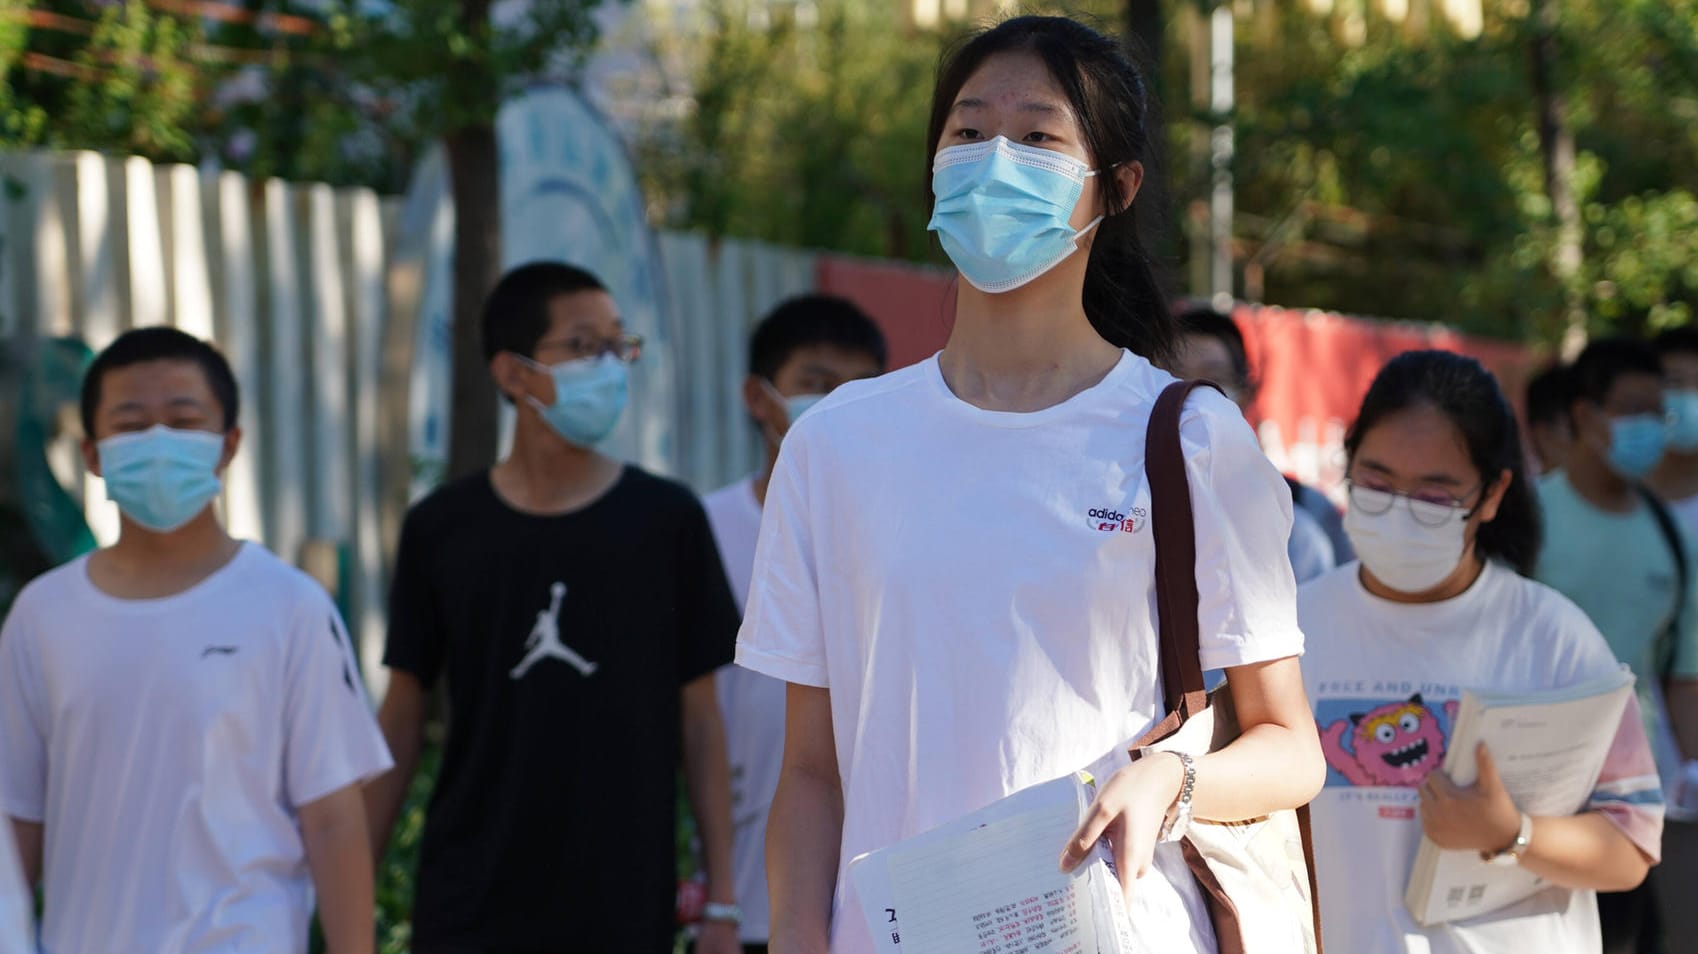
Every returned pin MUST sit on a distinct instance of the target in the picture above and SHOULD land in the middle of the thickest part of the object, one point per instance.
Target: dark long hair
(1469, 396)
(1123, 296)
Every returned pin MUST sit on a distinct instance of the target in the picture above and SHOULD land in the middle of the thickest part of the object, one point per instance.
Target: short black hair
(160, 343)
(515, 315)
(1682, 340)
(1207, 321)
(1606, 361)
(1549, 395)
(813, 319)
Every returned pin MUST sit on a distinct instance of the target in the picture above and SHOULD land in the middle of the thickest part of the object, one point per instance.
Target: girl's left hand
(1129, 810)
(1478, 817)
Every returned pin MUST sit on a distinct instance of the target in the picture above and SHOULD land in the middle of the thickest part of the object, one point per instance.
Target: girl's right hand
(1129, 811)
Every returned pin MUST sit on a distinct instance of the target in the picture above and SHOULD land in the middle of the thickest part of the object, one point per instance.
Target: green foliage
(398, 873)
(804, 132)
(130, 83)
(351, 102)
(1643, 259)
(1408, 176)
(21, 121)
(440, 65)
(1382, 171)
(149, 87)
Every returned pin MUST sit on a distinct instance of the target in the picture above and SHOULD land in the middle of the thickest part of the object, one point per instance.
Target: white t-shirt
(753, 708)
(167, 745)
(17, 902)
(1376, 666)
(976, 589)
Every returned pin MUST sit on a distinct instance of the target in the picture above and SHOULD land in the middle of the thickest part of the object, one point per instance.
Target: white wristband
(722, 913)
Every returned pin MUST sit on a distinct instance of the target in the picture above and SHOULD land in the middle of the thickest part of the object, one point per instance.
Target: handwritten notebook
(989, 883)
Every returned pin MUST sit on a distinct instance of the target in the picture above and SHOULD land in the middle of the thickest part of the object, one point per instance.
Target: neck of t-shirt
(144, 564)
(1024, 367)
(544, 474)
(1676, 477)
(1596, 484)
(1461, 580)
(193, 542)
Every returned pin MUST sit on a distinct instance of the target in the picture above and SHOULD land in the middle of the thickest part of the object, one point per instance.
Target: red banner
(1314, 367)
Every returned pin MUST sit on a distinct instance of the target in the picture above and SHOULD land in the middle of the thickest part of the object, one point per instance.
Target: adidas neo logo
(1108, 520)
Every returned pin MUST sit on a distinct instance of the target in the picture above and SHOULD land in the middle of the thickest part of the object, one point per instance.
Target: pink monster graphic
(1396, 744)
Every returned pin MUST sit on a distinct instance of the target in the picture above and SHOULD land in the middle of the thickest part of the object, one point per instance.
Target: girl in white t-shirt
(955, 569)
(1446, 529)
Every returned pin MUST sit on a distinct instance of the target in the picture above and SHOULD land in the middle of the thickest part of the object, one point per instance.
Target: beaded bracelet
(1179, 816)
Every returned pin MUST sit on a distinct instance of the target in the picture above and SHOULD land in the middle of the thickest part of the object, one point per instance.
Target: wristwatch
(722, 913)
(1517, 848)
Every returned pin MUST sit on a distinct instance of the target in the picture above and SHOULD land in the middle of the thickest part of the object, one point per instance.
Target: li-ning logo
(1109, 520)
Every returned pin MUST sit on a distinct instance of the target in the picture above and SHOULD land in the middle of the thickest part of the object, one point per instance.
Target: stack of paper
(989, 883)
(1549, 748)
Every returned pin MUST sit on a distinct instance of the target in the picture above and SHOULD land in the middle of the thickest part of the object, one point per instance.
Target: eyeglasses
(1430, 506)
(626, 348)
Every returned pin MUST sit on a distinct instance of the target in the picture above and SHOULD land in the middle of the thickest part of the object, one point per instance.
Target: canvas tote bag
(1257, 876)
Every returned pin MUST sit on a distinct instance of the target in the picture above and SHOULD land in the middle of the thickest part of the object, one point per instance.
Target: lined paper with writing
(996, 890)
(989, 882)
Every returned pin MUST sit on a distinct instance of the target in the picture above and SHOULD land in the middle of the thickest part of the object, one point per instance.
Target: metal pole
(1220, 153)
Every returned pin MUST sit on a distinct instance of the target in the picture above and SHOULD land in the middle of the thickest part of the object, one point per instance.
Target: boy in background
(1211, 348)
(798, 354)
(576, 608)
(1618, 552)
(183, 732)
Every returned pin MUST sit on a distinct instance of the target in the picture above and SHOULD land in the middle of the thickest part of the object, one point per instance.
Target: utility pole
(1220, 154)
(1556, 147)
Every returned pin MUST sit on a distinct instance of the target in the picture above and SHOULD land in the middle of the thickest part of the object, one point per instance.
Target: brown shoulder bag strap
(1176, 553)
(1175, 530)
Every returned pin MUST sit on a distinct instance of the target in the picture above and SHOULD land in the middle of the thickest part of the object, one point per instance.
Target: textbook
(990, 883)
(1549, 748)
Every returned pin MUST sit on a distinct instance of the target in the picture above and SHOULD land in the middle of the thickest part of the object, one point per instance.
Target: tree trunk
(474, 180)
(1144, 24)
(1144, 29)
(1556, 144)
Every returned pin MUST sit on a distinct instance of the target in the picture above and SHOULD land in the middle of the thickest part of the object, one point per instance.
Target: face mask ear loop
(1485, 491)
(773, 392)
(534, 365)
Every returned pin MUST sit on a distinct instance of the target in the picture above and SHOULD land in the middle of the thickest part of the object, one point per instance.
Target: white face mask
(1408, 555)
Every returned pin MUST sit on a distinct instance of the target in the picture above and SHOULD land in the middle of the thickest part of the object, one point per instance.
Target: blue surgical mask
(794, 406)
(1636, 444)
(589, 396)
(1004, 211)
(162, 477)
(1680, 406)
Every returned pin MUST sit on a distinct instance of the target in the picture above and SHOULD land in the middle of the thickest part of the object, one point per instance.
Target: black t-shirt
(565, 641)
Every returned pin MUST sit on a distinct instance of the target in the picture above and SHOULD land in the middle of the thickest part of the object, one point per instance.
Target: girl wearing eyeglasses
(1446, 529)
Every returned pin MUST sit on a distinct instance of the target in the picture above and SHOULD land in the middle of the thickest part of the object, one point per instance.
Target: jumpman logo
(544, 641)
